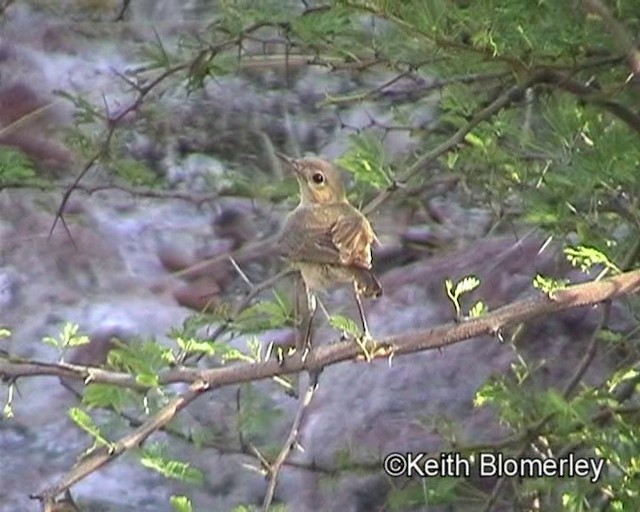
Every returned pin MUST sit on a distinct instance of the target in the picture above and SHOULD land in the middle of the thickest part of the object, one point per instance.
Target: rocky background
(118, 277)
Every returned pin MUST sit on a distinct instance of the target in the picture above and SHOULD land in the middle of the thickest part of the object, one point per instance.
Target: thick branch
(590, 293)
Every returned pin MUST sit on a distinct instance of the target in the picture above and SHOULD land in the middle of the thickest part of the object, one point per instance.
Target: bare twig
(112, 124)
(457, 138)
(292, 438)
(192, 197)
(122, 11)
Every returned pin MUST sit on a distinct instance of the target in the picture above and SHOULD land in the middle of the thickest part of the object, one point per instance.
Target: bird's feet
(367, 344)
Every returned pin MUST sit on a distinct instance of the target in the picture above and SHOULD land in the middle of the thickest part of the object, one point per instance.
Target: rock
(201, 294)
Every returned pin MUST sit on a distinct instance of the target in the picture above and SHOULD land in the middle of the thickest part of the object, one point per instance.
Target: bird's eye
(318, 178)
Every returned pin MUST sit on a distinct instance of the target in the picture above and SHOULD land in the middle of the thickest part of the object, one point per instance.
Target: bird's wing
(313, 245)
(345, 241)
(352, 235)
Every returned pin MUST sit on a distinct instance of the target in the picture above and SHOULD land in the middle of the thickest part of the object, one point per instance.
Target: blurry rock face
(24, 116)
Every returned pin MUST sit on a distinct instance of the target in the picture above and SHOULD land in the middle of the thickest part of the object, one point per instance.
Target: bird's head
(320, 181)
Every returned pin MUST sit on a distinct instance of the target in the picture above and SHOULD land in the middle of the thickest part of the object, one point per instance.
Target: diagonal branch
(103, 456)
(274, 469)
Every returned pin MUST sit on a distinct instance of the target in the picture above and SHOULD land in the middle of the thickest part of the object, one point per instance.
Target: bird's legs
(311, 312)
(366, 334)
(363, 318)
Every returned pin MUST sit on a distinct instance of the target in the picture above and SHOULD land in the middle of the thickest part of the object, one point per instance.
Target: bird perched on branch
(326, 238)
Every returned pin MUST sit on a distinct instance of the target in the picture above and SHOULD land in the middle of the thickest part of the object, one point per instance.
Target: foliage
(15, 166)
(462, 287)
(154, 457)
(69, 337)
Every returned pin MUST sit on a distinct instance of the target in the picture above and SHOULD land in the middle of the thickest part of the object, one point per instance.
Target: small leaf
(549, 285)
(85, 422)
(147, 379)
(366, 161)
(103, 396)
(586, 257)
(344, 324)
(474, 140)
(466, 285)
(51, 341)
(478, 309)
(153, 458)
(181, 503)
(195, 346)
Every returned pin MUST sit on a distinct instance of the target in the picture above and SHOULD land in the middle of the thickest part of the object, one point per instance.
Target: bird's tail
(367, 283)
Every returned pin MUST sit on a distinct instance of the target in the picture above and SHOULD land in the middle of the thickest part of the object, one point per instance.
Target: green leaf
(69, 337)
(587, 257)
(104, 396)
(140, 358)
(478, 309)
(365, 159)
(466, 285)
(153, 457)
(474, 140)
(85, 422)
(148, 379)
(345, 325)
(265, 315)
(135, 172)
(15, 166)
(549, 285)
(196, 346)
(257, 413)
(181, 503)
(7, 411)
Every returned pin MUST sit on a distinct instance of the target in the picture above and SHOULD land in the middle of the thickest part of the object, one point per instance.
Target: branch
(415, 93)
(457, 138)
(318, 358)
(122, 11)
(532, 432)
(623, 38)
(192, 197)
(112, 124)
(274, 469)
(594, 96)
(105, 455)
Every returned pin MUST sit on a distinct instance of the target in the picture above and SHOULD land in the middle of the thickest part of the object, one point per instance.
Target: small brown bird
(326, 238)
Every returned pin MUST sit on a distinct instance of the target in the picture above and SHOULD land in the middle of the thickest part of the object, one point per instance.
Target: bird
(326, 238)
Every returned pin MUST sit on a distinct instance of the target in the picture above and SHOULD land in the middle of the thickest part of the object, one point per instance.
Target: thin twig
(274, 469)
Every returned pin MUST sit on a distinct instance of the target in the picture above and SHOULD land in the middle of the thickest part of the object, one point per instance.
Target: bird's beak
(290, 163)
(286, 159)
